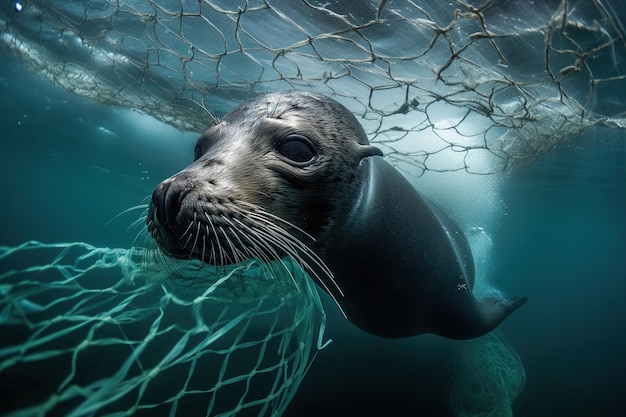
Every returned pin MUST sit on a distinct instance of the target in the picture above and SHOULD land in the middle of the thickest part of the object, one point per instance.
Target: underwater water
(69, 166)
(555, 231)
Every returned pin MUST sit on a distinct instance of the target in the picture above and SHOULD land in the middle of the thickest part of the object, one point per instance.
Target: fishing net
(95, 331)
(488, 376)
(439, 86)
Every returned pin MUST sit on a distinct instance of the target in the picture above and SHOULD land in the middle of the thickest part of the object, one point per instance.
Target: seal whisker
(257, 238)
(265, 258)
(271, 226)
(293, 245)
(195, 241)
(256, 233)
(213, 258)
(246, 248)
(217, 241)
(258, 213)
(286, 242)
(203, 245)
(195, 218)
(292, 251)
(239, 253)
(128, 210)
(233, 251)
(136, 239)
(262, 193)
(288, 238)
(137, 223)
(142, 233)
(258, 210)
(259, 254)
(188, 237)
(296, 258)
(187, 230)
(259, 247)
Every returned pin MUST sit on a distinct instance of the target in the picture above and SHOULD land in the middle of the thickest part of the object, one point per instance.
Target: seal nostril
(166, 203)
(171, 204)
(174, 193)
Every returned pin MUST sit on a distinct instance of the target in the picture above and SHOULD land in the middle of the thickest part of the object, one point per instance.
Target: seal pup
(293, 174)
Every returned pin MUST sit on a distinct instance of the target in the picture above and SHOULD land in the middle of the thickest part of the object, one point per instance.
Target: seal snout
(166, 200)
(163, 214)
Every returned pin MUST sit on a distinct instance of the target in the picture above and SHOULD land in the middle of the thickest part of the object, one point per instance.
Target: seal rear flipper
(489, 313)
(496, 309)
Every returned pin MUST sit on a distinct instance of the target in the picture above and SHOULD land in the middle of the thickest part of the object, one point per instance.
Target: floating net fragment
(488, 376)
(97, 331)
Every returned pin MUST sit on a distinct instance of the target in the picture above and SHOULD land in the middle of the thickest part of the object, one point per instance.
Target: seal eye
(204, 143)
(296, 150)
(197, 152)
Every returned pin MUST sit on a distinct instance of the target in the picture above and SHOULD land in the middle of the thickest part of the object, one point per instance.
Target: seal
(292, 174)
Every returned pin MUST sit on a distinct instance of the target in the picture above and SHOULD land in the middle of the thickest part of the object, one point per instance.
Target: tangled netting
(440, 86)
(488, 376)
(93, 331)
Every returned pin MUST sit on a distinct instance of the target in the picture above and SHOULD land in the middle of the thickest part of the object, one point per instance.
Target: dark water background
(69, 165)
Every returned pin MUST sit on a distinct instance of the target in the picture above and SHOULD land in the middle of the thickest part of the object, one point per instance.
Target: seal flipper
(405, 268)
(490, 312)
(496, 309)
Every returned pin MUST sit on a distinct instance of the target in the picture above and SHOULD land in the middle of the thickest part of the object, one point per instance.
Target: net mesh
(488, 376)
(439, 86)
(97, 331)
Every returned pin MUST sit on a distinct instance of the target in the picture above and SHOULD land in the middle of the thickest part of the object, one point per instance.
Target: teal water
(563, 243)
(69, 166)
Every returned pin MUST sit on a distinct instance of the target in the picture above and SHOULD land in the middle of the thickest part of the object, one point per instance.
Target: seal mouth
(218, 231)
(190, 225)
(187, 227)
(163, 235)
(163, 211)
(222, 232)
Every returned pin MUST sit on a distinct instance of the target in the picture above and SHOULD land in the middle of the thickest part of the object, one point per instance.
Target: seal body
(293, 174)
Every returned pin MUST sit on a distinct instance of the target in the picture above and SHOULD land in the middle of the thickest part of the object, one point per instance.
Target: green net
(488, 376)
(96, 331)
(439, 86)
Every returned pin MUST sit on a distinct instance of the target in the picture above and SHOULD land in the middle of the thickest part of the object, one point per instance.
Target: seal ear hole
(296, 150)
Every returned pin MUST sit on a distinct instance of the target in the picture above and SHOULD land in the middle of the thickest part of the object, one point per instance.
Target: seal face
(293, 174)
(270, 173)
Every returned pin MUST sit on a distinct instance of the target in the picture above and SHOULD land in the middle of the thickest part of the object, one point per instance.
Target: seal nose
(166, 200)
